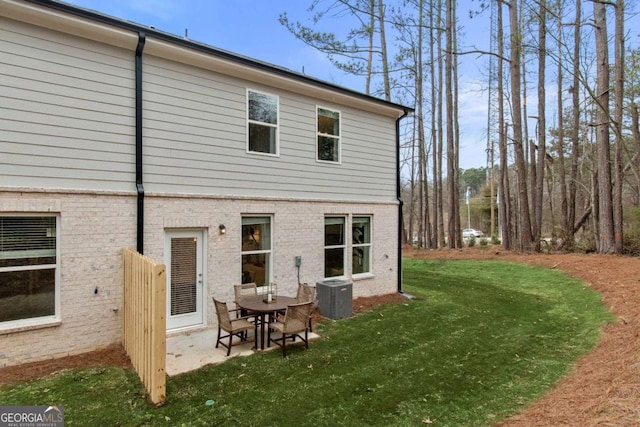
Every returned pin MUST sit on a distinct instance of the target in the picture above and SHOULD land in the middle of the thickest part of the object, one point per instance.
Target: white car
(468, 233)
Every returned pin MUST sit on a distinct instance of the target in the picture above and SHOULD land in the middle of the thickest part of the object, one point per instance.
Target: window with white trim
(335, 247)
(361, 244)
(28, 268)
(328, 146)
(262, 123)
(256, 250)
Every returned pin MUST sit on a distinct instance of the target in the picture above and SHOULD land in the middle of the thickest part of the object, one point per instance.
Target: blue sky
(251, 28)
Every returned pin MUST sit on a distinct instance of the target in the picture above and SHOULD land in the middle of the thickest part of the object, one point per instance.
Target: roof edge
(217, 53)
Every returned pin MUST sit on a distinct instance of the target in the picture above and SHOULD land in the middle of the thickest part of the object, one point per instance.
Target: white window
(28, 269)
(262, 123)
(361, 245)
(256, 250)
(328, 149)
(335, 248)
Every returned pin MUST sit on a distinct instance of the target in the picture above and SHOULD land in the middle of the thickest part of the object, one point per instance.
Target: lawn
(479, 340)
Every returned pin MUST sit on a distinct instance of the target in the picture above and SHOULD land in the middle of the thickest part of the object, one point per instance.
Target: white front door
(185, 282)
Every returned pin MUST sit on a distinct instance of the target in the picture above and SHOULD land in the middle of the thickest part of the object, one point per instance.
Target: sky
(251, 28)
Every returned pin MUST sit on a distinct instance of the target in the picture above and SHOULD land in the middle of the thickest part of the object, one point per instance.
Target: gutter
(399, 197)
(139, 183)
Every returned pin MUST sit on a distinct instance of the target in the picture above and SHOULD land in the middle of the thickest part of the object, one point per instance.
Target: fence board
(144, 325)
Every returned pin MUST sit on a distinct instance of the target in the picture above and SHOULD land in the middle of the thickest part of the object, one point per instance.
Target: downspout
(400, 202)
(139, 185)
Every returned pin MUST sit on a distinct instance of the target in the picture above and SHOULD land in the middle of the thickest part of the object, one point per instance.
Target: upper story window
(28, 268)
(328, 149)
(262, 123)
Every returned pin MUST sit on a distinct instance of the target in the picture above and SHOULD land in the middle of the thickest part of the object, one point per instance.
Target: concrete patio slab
(191, 350)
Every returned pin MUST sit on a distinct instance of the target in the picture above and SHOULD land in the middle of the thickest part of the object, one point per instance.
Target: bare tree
(349, 54)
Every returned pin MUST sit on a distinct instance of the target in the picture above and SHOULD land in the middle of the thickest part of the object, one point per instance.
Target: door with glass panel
(185, 282)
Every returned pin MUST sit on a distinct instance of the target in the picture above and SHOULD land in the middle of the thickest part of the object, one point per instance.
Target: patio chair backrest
(224, 320)
(306, 293)
(296, 318)
(245, 290)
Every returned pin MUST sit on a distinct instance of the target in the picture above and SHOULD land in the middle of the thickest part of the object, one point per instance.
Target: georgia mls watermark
(31, 416)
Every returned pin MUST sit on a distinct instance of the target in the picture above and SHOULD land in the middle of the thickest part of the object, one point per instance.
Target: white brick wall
(94, 229)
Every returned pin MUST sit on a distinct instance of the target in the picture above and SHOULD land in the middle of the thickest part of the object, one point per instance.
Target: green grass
(480, 340)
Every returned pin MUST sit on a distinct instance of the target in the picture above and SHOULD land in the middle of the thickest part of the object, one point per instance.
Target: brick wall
(94, 229)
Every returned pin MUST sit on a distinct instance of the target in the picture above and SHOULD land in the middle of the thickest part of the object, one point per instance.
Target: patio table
(256, 305)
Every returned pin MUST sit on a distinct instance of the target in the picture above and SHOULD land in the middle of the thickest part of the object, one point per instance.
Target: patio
(191, 350)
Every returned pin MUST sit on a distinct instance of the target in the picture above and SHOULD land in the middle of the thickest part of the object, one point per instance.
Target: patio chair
(292, 325)
(307, 293)
(233, 327)
(241, 291)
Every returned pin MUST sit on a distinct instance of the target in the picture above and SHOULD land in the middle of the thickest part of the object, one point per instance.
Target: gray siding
(195, 141)
(66, 111)
(67, 121)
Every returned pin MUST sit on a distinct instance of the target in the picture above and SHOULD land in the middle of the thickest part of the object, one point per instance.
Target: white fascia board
(70, 24)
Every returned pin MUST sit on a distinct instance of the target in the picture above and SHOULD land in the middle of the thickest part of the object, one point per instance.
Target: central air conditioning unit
(335, 298)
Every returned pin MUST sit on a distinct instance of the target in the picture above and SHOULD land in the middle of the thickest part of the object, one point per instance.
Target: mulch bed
(110, 356)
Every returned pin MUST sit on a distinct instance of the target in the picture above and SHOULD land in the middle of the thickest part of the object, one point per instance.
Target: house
(226, 169)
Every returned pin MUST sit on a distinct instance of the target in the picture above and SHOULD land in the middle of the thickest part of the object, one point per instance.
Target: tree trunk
(440, 91)
(421, 134)
(575, 131)
(619, 93)
(372, 24)
(523, 221)
(437, 178)
(564, 220)
(605, 204)
(412, 185)
(383, 49)
(451, 181)
(503, 183)
(456, 123)
(542, 125)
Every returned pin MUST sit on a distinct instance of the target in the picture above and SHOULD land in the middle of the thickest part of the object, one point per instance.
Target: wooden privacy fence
(144, 325)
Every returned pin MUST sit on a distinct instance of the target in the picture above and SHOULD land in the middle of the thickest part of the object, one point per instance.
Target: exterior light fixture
(222, 228)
